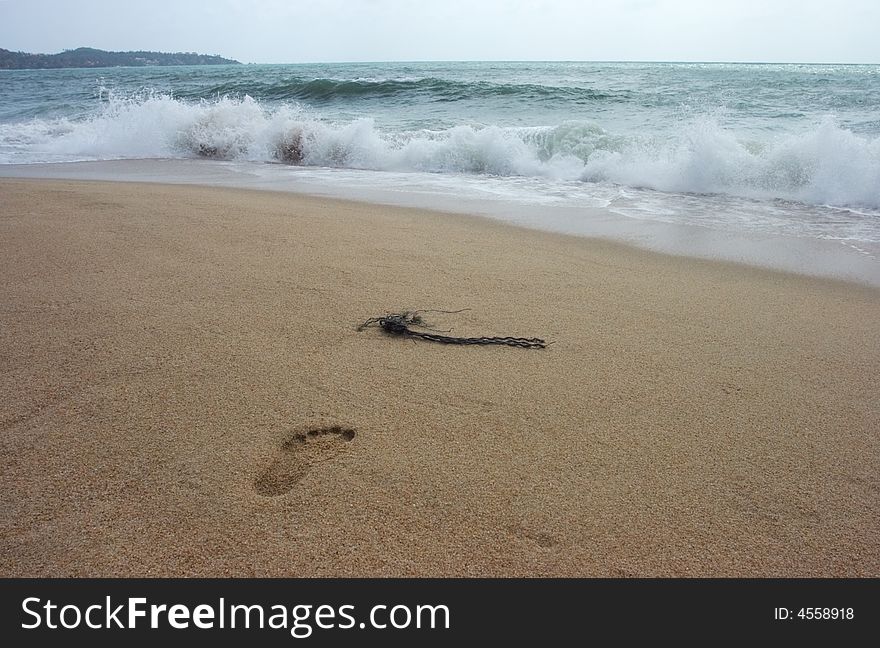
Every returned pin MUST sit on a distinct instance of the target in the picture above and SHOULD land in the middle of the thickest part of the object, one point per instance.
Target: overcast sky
(291, 31)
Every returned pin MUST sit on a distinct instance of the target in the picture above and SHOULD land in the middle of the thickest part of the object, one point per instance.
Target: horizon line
(694, 61)
(466, 60)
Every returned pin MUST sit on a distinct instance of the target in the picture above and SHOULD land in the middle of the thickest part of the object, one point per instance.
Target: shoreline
(814, 257)
(188, 396)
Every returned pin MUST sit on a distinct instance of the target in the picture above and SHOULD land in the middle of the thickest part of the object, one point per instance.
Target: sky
(300, 31)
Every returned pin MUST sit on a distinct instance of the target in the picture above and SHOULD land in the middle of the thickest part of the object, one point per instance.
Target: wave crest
(826, 165)
(323, 90)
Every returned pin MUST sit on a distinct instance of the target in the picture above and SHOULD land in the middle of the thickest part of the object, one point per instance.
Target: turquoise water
(751, 98)
(782, 149)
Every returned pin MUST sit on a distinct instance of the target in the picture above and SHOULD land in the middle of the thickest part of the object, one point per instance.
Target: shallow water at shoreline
(609, 218)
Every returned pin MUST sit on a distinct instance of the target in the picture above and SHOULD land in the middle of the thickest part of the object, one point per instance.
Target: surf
(822, 165)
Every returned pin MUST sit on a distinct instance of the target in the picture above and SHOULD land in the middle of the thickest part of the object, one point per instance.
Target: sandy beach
(185, 393)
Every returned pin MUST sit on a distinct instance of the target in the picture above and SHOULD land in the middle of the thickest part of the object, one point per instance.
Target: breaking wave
(826, 165)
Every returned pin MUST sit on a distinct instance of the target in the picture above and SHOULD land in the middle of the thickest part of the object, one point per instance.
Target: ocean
(772, 164)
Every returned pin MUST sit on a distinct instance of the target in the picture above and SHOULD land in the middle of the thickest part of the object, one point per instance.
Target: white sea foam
(824, 165)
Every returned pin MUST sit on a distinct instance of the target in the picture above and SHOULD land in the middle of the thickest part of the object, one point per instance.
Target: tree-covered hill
(87, 57)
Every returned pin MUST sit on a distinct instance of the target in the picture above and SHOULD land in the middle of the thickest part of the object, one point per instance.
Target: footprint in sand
(298, 454)
(540, 538)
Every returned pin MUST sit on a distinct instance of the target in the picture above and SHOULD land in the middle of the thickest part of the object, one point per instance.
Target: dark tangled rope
(399, 324)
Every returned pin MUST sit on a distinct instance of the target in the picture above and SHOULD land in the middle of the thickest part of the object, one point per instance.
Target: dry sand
(162, 347)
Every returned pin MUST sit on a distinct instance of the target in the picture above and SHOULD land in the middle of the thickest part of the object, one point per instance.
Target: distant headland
(87, 57)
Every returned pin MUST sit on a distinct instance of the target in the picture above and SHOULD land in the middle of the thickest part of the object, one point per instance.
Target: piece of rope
(399, 324)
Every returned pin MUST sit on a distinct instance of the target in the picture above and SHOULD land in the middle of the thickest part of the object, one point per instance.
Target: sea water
(767, 163)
